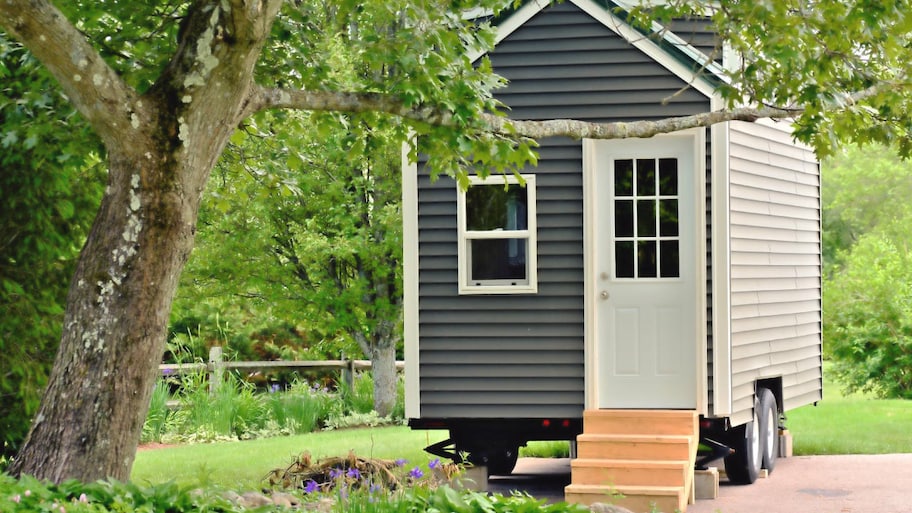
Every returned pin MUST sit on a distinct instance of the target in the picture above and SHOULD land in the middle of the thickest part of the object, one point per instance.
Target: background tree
(164, 85)
(868, 283)
(303, 225)
(51, 183)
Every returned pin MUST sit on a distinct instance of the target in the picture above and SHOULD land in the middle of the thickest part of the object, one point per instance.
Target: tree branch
(353, 102)
(264, 98)
(84, 76)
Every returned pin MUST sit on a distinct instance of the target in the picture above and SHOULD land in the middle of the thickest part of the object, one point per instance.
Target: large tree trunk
(92, 413)
(161, 148)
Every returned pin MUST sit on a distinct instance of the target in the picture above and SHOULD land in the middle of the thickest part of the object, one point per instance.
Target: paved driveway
(801, 484)
(823, 484)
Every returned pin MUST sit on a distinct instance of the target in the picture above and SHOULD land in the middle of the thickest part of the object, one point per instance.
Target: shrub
(301, 409)
(868, 325)
(159, 413)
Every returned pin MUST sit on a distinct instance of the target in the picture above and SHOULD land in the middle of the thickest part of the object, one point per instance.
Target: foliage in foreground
(28, 494)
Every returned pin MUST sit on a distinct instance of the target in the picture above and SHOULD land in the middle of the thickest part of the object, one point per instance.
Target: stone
(706, 483)
(253, 500)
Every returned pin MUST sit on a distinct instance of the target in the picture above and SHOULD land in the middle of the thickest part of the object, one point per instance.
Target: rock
(253, 500)
(285, 499)
(604, 507)
(324, 505)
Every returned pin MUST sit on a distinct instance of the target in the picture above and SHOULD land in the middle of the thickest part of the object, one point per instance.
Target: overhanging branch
(352, 102)
(263, 99)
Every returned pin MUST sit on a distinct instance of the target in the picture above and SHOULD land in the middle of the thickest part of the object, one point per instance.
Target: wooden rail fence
(217, 366)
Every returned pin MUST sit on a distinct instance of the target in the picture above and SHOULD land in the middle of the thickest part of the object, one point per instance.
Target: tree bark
(381, 349)
(161, 148)
(386, 377)
(92, 413)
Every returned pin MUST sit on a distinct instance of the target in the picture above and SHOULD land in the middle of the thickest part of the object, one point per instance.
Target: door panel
(645, 267)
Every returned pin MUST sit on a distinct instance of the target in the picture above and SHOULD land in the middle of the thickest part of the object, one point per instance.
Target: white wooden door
(645, 270)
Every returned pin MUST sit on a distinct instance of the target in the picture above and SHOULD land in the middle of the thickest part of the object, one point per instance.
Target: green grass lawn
(840, 424)
(243, 465)
(851, 424)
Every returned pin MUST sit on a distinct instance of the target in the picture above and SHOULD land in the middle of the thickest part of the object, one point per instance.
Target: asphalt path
(801, 484)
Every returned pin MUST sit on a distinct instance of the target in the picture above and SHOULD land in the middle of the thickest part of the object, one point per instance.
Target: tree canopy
(165, 84)
(868, 279)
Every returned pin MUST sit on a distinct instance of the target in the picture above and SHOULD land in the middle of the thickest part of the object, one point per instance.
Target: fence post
(348, 373)
(216, 369)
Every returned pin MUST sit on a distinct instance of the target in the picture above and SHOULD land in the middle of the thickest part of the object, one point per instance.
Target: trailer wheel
(743, 465)
(769, 429)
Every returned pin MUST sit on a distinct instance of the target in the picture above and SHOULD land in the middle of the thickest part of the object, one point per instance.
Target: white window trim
(530, 233)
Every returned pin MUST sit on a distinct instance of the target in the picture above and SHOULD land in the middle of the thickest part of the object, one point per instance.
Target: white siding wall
(775, 266)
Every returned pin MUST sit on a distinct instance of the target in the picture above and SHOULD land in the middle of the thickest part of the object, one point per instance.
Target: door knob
(604, 294)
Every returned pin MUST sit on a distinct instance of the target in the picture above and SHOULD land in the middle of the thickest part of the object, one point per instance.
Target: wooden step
(628, 472)
(640, 422)
(639, 499)
(635, 447)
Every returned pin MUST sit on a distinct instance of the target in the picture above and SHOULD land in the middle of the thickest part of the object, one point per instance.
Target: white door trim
(591, 257)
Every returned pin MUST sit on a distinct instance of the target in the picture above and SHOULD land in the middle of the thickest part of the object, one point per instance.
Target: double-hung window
(497, 244)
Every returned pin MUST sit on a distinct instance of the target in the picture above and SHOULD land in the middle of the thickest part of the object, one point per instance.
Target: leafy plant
(869, 325)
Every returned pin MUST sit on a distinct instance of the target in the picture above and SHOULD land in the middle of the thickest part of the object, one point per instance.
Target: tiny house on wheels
(635, 296)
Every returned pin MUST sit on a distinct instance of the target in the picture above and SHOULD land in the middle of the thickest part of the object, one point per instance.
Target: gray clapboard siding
(522, 356)
(775, 266)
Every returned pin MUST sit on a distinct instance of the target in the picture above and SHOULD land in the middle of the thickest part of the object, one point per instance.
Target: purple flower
(401, 462)
(435, 463)
(167, 372)
(311, 487)
(275, 387)
(353, 473)
(416, 473)
(335, 473)
(374, 488)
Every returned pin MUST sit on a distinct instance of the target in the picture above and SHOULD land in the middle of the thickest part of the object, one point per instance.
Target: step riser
(633, 450)
(628, 476)
(612, 422)
(635, 503)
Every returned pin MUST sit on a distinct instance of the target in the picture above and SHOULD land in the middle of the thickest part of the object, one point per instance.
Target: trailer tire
(769, 429)
(743, 465)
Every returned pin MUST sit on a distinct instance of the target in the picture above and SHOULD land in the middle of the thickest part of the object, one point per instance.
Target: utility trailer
(632, 296)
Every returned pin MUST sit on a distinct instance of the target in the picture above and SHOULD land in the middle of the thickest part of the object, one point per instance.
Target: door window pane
(646, 218)
(668, 217)
(646, 177)
(668, 177)
(624, 259)
(623, 218)
(670, 258)
(646, 259)
(623, 178)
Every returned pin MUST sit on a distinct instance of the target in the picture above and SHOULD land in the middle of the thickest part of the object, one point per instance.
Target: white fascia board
(410, 280)
(512, 23)
(653, 50)
(721, 269)
(590, 313)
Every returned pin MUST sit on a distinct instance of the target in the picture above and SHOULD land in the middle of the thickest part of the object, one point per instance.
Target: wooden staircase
(635, 459)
